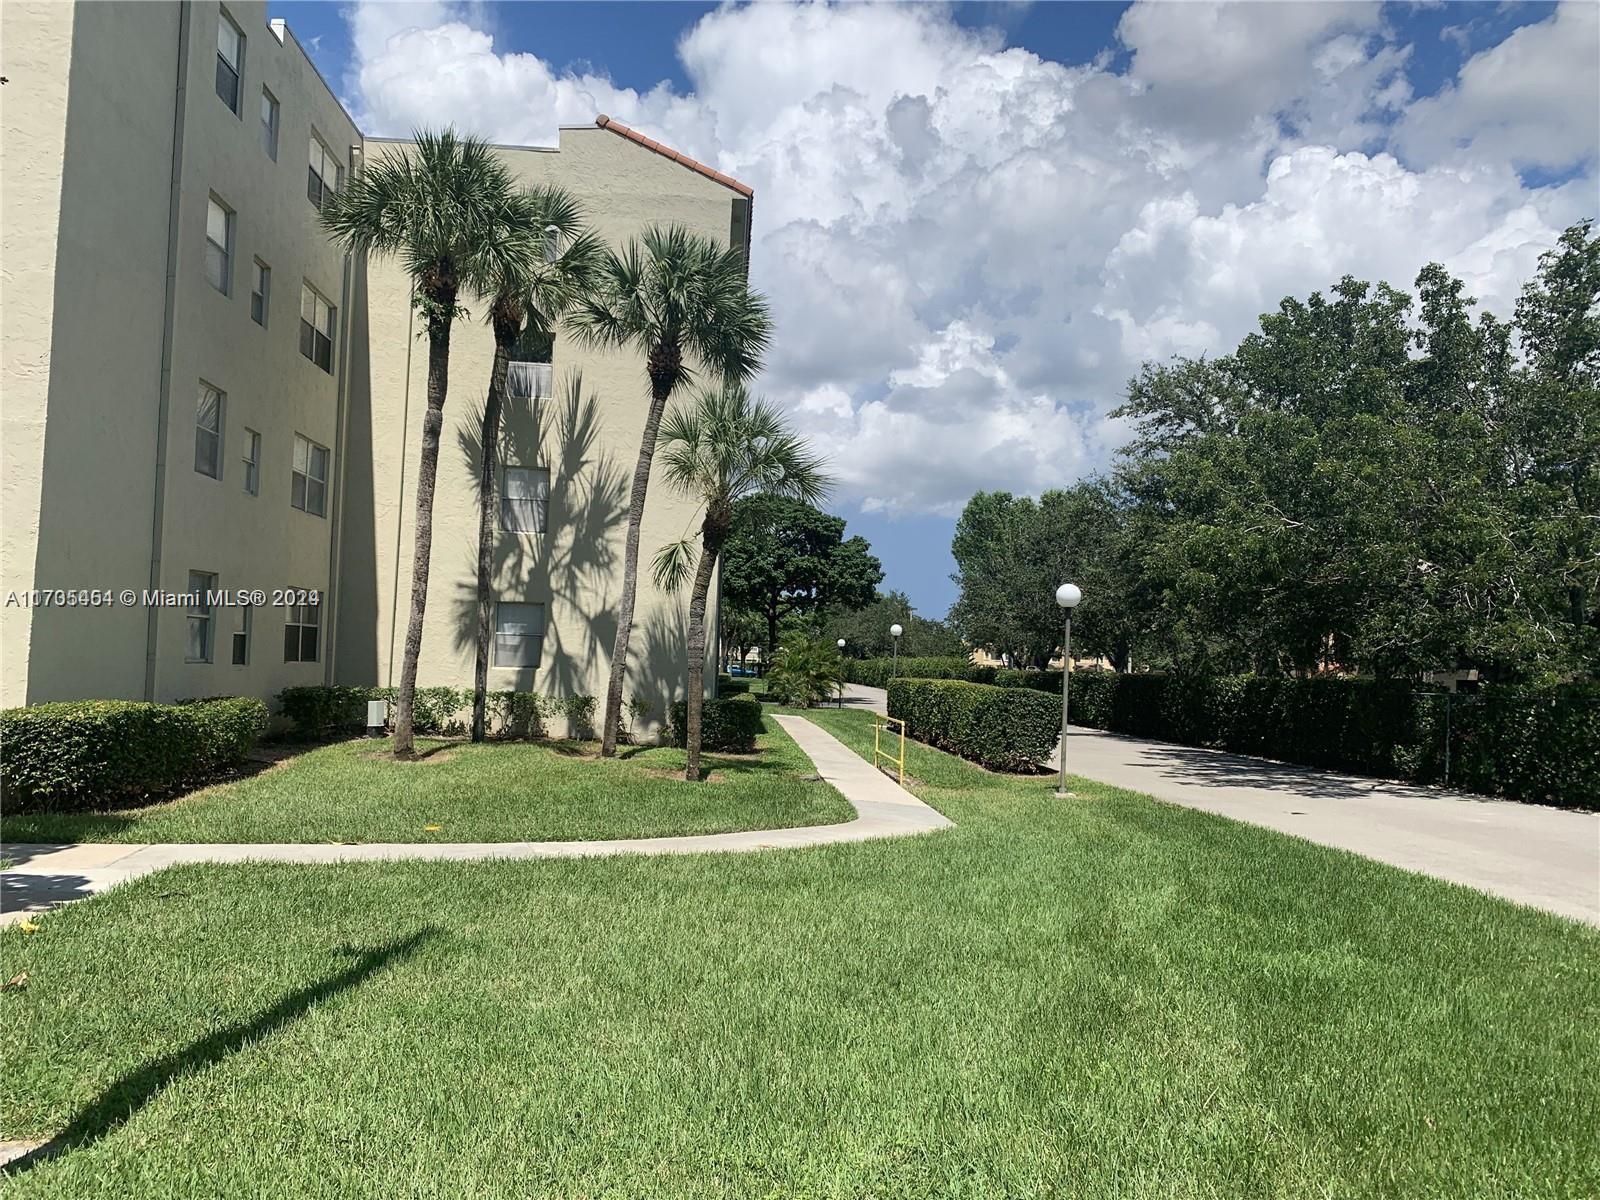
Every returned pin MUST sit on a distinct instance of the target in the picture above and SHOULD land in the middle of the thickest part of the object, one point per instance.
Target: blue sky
(975, 221)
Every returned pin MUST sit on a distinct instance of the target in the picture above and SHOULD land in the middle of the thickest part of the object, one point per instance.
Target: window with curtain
(308, 486)
(219, 244)
(324, 174)
(525, 500)
(518, 634)
(252, 462)
(208, 431)
(241, 638)
(316, 327)
(198, 649)
(230, 61)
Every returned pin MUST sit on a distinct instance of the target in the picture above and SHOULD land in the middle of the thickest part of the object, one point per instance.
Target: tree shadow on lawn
(115, 1106)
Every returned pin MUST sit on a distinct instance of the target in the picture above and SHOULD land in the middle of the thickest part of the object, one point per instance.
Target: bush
(323, 712)
(579, 711)
(726, 726)
(89, 753)
(1004, 729)
(518, 715)
(804, 673)
(728, 687)
(1540, 745)
(876, 672)
(1039, 681)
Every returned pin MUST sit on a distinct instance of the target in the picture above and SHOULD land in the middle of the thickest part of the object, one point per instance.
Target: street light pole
(1067, 596)
(895, 631)
(840, 644)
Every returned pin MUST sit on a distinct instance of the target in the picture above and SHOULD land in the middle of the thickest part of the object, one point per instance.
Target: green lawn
(1104, 997)
(494, 792)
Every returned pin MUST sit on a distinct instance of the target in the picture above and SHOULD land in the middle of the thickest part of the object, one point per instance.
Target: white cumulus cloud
(970, 249)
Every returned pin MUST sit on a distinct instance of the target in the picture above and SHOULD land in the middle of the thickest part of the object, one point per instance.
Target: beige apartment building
(202, 395)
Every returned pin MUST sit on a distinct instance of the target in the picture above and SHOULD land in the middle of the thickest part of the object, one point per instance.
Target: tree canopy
(1373, 480)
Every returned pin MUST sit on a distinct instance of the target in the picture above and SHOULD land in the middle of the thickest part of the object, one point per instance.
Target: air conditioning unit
(377, 718)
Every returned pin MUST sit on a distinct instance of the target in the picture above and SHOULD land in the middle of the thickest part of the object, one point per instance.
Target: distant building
(203, 395)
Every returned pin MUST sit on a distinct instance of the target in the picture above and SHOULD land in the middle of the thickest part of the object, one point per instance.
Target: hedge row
(1540, 745)
(323, 712)
(91, 753)
(1004, 729)
(726, 726)
(877, 672)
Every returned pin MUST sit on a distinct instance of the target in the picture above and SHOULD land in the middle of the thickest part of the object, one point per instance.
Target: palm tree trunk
(427, 474)
(663, 369)
(710, 547)
(488, 474)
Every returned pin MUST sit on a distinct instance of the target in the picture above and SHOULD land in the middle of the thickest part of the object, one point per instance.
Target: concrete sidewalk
(44, 876)
(1545, 857)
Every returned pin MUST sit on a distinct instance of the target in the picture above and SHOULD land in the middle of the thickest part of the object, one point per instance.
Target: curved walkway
(43, 876)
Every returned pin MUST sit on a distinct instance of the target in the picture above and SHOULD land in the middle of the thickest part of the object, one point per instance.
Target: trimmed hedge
(877, 672)
(729, 687)
(1540, 745)
(1004, 729)
(323, 712)
(726, 726)
(91, 753)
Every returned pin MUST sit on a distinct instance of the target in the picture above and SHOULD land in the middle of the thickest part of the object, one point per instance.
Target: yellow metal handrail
(879, 753)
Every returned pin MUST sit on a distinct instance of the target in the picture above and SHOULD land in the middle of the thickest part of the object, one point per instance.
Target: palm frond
(674, 564)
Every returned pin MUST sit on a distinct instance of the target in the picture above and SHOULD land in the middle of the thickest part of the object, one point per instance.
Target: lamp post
(895, 631)
(840, 644)
(1067, 596)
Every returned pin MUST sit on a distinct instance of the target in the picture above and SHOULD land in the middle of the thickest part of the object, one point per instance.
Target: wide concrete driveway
(1545, 857)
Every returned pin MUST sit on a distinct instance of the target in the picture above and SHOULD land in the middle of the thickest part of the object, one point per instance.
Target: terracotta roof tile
(633, 135)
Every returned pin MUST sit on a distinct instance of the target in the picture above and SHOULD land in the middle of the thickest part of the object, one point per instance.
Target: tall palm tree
(669, 294)
(433, 206)
(723, 447)
(528, 277)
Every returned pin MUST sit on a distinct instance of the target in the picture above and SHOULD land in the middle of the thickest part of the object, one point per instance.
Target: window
(300, 632)
(260, 292)
(208, 432)
(525, 500)
(241, 638)
(308, 488)
(198, 649)
(316, 328)
(325, 176)
(219, 245)
(230, 61)
(252, 462)
(518, 634)
(269, 124)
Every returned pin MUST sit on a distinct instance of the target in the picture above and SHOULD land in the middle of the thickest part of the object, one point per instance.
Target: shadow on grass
(115, 1106)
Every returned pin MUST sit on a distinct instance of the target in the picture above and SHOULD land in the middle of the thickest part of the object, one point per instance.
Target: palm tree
(669, 293)
(723, 447)
(528, 281)
(434, 206)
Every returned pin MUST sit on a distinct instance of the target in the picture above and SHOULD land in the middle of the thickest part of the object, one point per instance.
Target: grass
(1105, 997)
(491, 792)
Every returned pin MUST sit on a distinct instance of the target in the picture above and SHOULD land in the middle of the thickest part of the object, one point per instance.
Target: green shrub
(1004, 729)
(1039, 681)
(322, 712)
(726, 726)
(804, 673)
(1540, 745)
(90, 753)
(579, 711)
(640, 711)
(518, 715)
(434, 710)
(728, 687)
(876, 672)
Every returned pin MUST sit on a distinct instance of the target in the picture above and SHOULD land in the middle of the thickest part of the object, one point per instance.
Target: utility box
(377, 718)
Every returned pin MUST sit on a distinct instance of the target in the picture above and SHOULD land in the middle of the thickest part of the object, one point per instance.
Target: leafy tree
(539, 266)
(722, 448)
(436, 207)
(675, 297)
(866, 630)
(789, 559)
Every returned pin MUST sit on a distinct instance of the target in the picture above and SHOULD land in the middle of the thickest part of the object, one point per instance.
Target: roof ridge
(633, 135)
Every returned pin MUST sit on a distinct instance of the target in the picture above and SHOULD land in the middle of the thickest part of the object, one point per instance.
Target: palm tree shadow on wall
(127, 1095)
(573, 568)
